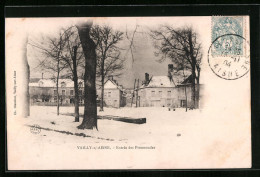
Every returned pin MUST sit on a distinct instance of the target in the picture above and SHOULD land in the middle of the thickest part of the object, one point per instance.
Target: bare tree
(130, 38)
(89, 50)
(72, 56)
(179, 70)
(25, 87)
(52, 61)
(108, 54)
(181, 46)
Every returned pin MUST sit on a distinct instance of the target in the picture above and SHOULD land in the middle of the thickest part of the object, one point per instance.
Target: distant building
(44, 91)
(165, 91)
(114, 95)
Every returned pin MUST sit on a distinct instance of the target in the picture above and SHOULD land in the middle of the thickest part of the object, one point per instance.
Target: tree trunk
(102, 86)
(57, 88)
(193, 67)
(90, 105)
(76, 86)
(198, 90)
(133, 95)
(193, 90)
(185, 90)
(136, 98)
(57, 84)
(26, 95)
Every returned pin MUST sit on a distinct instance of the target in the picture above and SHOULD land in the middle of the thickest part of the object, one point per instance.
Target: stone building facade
(44, 92)
(166, 91)
(114, 95)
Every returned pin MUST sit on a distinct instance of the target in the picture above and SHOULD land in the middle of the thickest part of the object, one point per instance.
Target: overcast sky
(145, 60)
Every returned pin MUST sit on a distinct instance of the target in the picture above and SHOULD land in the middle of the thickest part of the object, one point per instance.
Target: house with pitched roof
(44, 91)
(165, 91)
(113, 94)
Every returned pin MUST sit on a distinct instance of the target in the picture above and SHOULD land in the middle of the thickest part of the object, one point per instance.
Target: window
(160, 93)
(63, 92)
(169, 93)
(80, 84)
(80, 100)
(71, 92)
(55, 92)
(153, 93)
(108, 94)
(80, 92)
(63, 84)
(183, 103)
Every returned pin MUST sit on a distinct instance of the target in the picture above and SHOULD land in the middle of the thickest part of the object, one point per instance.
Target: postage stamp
(229, 52)
(227, 45)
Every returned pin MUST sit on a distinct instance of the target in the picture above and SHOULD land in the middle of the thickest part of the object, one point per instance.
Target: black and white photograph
(100, 93)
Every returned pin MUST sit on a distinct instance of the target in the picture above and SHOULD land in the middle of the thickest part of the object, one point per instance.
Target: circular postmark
(35, 129)
(229, 56)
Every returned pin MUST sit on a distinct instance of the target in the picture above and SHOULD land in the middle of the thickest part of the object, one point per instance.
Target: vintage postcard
(128, 93)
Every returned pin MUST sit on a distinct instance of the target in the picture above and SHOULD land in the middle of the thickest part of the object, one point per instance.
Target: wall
(164, 97)
(112, 97)
(36, 95)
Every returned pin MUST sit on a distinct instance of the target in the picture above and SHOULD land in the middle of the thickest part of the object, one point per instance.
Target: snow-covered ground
(193, 139)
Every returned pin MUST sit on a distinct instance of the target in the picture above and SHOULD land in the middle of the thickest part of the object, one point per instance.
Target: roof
(34, 80)
(43, 83)
(187, 80)
(166, 81)
(111, 84)
(52, 83)
(160, 81)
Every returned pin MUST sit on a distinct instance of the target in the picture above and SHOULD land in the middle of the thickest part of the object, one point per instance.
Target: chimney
(146, 78)
(42, 75)
(110, 77)
(170, 70)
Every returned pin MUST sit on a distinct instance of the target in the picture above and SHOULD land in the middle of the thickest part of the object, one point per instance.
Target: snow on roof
(179, 78)
(165, 81)
(52, 83)
(34, 84)
(43, 83)
(160, 81)
(111, 84)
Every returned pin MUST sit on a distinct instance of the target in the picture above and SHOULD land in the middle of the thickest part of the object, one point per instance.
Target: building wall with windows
(164, 97)
(166, 91)
(113, 94)
(44, 92)
(112, 97)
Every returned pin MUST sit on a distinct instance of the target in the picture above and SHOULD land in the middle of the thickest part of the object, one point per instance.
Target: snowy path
(192, 137)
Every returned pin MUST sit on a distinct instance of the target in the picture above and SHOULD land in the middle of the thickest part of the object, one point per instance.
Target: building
(114, 94)
(44, 92)
(165, 91)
